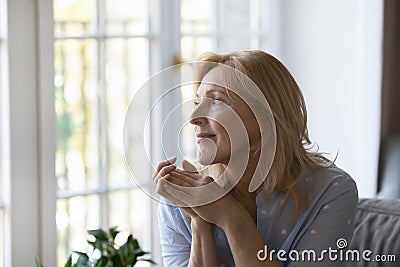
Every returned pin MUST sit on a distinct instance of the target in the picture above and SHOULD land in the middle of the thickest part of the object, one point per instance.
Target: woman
(304, 206)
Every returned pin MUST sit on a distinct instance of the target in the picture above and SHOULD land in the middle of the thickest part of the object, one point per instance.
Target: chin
(206, 160)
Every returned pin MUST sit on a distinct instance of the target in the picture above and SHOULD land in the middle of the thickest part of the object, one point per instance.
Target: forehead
(231, 82)
(216, 80)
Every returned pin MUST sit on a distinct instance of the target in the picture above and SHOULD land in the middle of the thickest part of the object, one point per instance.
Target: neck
(241, 191)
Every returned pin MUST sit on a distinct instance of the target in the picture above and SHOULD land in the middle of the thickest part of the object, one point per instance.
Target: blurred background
(69, 69)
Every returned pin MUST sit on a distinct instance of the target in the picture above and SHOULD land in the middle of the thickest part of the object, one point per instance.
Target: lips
(201, 136)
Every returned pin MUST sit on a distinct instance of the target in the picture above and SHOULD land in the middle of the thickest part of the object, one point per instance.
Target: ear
(187, 166)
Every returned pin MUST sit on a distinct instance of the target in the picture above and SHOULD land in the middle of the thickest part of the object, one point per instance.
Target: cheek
(222, 135)
(250, 123)
(232, 125)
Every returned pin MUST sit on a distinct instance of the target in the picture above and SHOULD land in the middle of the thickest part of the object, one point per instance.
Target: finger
(177, 181)
(181, 198)
(161, 165)
(164, 163)
(163, 173)
(166, 170)
(193, 180)
(192, 175)
(187, 166)
(198, 178)
(170, 193)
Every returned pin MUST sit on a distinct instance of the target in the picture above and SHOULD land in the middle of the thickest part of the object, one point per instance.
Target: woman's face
(215, 112)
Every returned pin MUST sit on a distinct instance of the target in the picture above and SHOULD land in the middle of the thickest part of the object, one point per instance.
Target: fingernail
(172, 159)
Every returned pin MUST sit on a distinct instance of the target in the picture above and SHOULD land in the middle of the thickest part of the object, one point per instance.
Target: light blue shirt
(329, 219)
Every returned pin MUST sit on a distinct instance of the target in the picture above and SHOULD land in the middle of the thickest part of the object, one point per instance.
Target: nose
(199, 115)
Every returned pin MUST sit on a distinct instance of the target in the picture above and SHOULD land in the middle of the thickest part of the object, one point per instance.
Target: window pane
(263, 11)
(196, 16)
(127, 68)
(77, 109)
(95, 78)
(130, 211)
(3, 127)
(74, 217)
(127, 16)
(75, 17)
(234, 43)
(234, 16)
(192, 47)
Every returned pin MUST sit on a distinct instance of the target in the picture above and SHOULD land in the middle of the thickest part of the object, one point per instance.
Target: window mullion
(5, 258)
(254, 17)
(102, 113)
(215, 24)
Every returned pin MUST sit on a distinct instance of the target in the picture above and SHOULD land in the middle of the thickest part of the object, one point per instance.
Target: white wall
(333, 49)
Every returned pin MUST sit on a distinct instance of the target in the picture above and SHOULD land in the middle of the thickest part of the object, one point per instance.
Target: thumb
(187, 166)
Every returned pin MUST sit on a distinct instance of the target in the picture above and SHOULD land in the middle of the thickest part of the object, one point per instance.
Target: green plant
(111, 255)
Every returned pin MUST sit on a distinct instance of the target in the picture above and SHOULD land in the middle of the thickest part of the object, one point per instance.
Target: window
(223, 26)
(104, 51)
(3, 133)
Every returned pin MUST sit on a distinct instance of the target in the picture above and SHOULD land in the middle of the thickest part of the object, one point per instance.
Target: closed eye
(211, 101)
(216, 101)
(196, 101)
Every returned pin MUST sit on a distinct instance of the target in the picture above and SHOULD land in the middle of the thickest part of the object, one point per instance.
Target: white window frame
(4, 139)
(29, 135)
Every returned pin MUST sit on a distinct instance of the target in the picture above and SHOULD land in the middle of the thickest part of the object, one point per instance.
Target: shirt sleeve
(330, 232)
(175, 237)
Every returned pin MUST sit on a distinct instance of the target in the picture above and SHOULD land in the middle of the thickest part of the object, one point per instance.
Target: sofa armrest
(377, 228)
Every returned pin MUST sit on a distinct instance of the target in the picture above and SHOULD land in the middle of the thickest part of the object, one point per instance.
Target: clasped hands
(197, 194)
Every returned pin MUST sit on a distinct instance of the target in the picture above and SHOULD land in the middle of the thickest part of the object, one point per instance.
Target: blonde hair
(293, 146)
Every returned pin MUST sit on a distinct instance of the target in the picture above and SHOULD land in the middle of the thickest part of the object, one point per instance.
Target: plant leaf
(69, 262)
(38, 262)
(83, 259)
(113, 232)
(102, 262)
(133, 241)
(116, 260)
(99, 234)
(131, 260)
(139, 252)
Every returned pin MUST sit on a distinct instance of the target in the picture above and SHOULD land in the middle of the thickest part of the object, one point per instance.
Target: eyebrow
(213, 90)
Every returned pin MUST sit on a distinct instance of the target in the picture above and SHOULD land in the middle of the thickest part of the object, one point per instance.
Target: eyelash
(214, 100)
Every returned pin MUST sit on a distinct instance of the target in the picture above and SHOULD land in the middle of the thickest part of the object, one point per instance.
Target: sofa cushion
(377, 228)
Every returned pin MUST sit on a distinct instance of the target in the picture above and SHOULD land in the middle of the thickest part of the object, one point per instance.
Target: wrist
(198, 223)
(232, 222)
